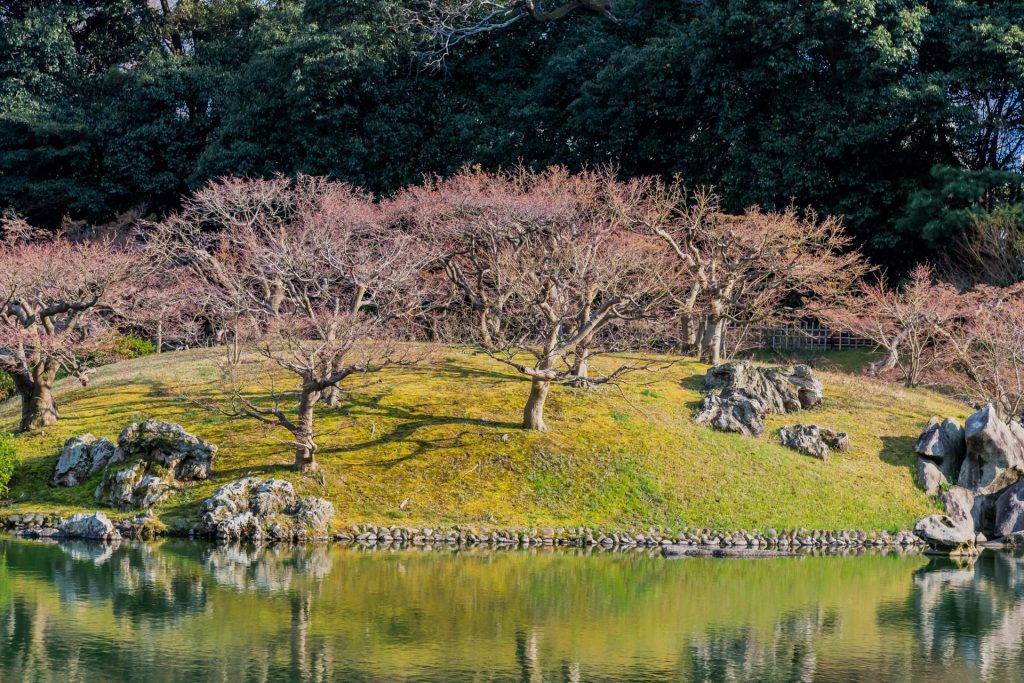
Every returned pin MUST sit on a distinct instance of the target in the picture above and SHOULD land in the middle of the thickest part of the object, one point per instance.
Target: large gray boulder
(1009, 511)
(946, 537)
(930, 477)
(995, 452)
(812, 440)
(733, 410)
(940, 453)
(81, 457)
(739, 395)
(785, 389)
(96, 527)
(253, 509)
(186, 456)
(959, 504)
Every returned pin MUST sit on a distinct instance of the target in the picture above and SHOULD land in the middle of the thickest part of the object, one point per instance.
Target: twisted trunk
(305, 446)
(38, 405)
(533, 414)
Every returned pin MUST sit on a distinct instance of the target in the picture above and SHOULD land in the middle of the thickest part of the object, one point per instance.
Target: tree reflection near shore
(182, 610)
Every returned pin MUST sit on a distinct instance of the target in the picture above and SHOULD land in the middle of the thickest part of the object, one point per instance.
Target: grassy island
(441, 444)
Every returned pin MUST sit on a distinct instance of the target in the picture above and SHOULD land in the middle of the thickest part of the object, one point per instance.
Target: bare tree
(984, 349)
(56, 299)
(548, 272)
(909, 324)
(742, 271)
(327, 295)
(446, 23)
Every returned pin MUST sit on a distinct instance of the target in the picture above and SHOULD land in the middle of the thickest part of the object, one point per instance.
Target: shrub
(8, 461)
(6, 386)
(131, 345)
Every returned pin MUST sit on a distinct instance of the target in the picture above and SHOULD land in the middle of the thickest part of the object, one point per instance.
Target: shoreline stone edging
(39, 525)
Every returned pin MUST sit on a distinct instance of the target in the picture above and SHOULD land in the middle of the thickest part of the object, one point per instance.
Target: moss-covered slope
(441, 444)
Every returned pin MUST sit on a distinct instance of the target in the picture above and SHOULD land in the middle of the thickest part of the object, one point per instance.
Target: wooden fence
(801, 336)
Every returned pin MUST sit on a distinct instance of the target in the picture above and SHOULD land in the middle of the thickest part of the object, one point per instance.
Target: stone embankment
(467, 535)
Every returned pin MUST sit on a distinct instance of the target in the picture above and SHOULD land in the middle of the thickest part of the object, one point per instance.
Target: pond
(180, 610)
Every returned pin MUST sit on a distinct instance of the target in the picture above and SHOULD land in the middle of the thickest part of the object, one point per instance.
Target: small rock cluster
(739, 395)
(813, 440)
(985, 458)
(257, 510)
(149, 463)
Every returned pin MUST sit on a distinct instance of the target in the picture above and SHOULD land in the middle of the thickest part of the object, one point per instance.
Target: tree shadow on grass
(409, 422)
(898, 451)
(693, 383)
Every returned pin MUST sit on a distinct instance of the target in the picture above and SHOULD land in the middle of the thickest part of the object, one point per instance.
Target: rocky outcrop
(739, 395)
(1009, 510)
(986, 461)
(150, 462)
(784, 389)
(940, 454)
(946, 537)
(732, 410)
(81, 457)
(94, 527)
(185, 456)
(258, 510)
(994, 452)
(813, 440)
(131, 488)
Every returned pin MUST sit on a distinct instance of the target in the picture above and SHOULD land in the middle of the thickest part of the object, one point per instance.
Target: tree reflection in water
(181, 610)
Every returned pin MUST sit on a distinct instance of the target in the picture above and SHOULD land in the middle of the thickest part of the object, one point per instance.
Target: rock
(995, 452)
(1010, 510)
(813, 440)
(314, 516)
(187, 457)
(740, 395)
(959, 503)
(946, 537)
(784, 389)
(254, 509)
(104, 453)
(118, 485)
(273, 497)
(929, 476)
(131, 488)
(81, 457)
(96, 526)
(732, 411)
(944, 444)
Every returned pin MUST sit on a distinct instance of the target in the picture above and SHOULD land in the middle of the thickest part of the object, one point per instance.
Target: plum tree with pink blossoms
(311, 277)
(57, 298)
(550, 275)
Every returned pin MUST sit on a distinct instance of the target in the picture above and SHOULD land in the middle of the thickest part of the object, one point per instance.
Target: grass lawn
(441, 444)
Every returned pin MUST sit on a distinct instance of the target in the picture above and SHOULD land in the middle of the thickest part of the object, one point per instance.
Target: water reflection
(180, 610)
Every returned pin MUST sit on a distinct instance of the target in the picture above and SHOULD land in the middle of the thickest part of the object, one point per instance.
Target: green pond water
(178, 610)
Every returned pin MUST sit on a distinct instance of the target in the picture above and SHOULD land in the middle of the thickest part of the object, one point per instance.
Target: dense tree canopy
(904, 116)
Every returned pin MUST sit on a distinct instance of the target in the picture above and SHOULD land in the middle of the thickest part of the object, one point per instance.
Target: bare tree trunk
(711, 341)
(533, 415)
(38, 405)
(160, 336)
(581, 368)
(305, 446)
